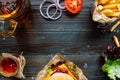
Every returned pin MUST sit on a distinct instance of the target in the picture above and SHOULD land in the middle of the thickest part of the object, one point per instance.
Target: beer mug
(11, 13)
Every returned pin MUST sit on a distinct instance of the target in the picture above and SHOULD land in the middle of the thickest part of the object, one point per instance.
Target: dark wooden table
(74, 36)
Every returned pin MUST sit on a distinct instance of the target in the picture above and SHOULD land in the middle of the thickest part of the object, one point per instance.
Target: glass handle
(7, 28)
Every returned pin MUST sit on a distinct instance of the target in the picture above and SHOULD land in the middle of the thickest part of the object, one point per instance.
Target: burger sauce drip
(9, 65)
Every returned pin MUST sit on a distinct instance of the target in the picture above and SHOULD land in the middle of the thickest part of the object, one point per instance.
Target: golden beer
(12, 12)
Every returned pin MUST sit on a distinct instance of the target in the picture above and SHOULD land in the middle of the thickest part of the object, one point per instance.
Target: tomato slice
(73, 6)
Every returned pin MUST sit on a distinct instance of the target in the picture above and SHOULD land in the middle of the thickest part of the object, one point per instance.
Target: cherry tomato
(73, 6)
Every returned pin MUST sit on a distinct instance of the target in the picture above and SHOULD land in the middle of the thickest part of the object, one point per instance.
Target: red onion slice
(58, 7)
(57, 2)
(40, 8)
(41, 12)
(52, 17)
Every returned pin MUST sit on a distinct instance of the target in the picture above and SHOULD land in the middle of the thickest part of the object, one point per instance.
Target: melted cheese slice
(60, 76)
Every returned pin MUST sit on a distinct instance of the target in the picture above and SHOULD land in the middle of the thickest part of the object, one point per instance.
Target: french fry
(115, 10)
(116, 14)
(102, 1)
(118, 6)
(108, 12)
(110, 6)
(115, 26)
(112, 2)
(116, 41)
(118, 1)
(99, 8)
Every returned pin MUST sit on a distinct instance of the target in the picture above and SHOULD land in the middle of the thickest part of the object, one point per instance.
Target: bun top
(60, 76)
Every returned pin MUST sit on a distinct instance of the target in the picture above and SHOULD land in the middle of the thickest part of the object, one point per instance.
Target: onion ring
(40, 8)
(52, 17)
(58, 7)
(58, 4)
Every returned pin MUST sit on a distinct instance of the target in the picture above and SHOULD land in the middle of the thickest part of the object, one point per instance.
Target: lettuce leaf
(112, 68)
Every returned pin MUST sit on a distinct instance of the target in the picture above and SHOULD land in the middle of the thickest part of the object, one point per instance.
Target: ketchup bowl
(12, 65)
(8, 67)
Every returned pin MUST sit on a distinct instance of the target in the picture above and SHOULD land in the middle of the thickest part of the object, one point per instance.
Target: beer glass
(11, 13)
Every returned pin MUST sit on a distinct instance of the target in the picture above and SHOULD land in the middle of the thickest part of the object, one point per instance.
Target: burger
(60, 68)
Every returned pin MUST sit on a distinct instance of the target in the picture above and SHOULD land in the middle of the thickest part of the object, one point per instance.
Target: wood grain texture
(74, 36)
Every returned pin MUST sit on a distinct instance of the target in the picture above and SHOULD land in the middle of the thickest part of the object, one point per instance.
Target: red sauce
(8, 65)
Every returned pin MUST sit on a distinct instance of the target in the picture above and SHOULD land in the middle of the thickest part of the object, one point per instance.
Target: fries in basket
(106, 11)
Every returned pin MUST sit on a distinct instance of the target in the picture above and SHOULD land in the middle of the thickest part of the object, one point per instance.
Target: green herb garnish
(49, 70)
